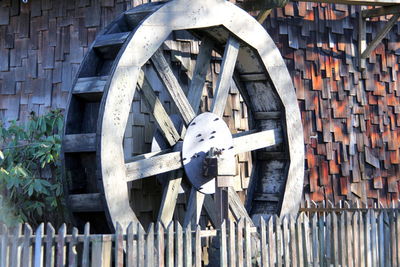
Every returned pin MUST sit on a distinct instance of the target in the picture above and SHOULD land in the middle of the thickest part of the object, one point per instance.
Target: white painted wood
(254, 141)
(225, 76)
(173, 87)
(153, 166)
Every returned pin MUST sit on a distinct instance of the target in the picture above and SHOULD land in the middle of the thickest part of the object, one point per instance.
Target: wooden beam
(252, 77)
(173, 87)
(156, 108)
(193, 211)
(74, 143)
(358, 2)
(85, 202)
(111, 39)
(155, 164)
(236, 206)
(270, 115)
(381, 11)
(90, 88)
(225, 76)
(254, 141)
(200, 73)
(380, 35)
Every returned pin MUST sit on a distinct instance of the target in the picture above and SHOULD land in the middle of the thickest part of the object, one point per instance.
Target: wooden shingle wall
(351, 118)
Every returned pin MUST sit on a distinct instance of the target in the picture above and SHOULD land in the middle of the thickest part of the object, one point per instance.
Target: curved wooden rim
(177, 15)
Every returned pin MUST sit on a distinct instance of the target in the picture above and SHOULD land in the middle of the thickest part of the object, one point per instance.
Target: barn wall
(351, 118)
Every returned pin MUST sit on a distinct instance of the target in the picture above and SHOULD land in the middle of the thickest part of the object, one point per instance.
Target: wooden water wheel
(126, 62)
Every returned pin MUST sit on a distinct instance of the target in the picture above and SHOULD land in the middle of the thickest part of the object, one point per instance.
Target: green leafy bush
(30, 178)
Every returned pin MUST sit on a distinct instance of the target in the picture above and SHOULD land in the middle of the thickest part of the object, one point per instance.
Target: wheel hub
(206, 132)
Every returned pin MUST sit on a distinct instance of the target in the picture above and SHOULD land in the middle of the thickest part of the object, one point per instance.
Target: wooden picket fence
(321, 239)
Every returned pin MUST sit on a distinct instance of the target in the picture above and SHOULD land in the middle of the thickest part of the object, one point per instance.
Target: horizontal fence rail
(346, 238)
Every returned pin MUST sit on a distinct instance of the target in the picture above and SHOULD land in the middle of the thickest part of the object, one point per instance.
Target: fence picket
(356, 240)
(239, 243)
(362, 239)
(342, 239)
(307, 246)
(187, 247)
(4, 246)
(86, 246)
(119, 246)
(393, 247)
(264, 254)
(381, 240)
(368, 233)
(140, 245)
(26, 246)
(349, 240)
(131, 248)
(50, 249)
(170, 245)
(335, 240)
(149, 255)
(286, 253)
(300, 240)
(223, 257)
(73, 255)
(398, 236)
(293, 250)
(231, 244)
(160, 244)
(314, 234)
(387, 243)
(247, 235)
(178, 245)
(61, 245)
(15, 250)
(197, 244)
(38, 256)
(97, 251)
(278, 232)
(374, 240)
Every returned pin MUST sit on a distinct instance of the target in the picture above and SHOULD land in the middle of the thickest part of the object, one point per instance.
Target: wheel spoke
(249, 141)
(155, 106)
(200, 73)
(225, 77)
(170, 196)
(195, 205)
(173, 87)
(153, 164)
(236, 206)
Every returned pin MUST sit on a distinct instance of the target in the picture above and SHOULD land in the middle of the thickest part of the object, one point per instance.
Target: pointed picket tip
(178, 226)
(50, 228)
(330, 204)
(39, 229)
(118, 228)
(62, 228)
(150, 228)
(86, 230)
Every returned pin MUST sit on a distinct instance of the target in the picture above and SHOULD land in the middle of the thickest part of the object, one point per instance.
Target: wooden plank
(26, 246)
(223, 257)
(97, 247)
(270, 115)
(197, 247)
(368, 245)
(381, 240)
(193, 211)
(239, 244)
(380, 35)
(362, 239)
(286, 240)
(113, 39)
(300, 239)
(381, 11)
(231, 244)
(4, 246)
(60, 256)
(90, 88)
(164, 122)
(200, 72)
(225, 77)
(119, 246)
(85, 202)
(72, 252)
(393, 237)
(152, 166)
(264, 252)
(173, 87)
(136, 15)
(328, 240)
(50, 249)
(342, 239)
(86, 246)
(38, 256)
(169, 198)
(374, 240)
(278, 232)
(387, 244)
(252, 77)
(74, 143)
(315, 244)
(169, 250)
(140, 245)
(248, 241)
(254, 141)
(349, 240)
(131, 245)
(160, 244)
(267, 197)
(15, 249)
(149, 246)
(187, 247)
(335, 239)
(178, 245)
(236, 206)
(398, 235)
(356, 239)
